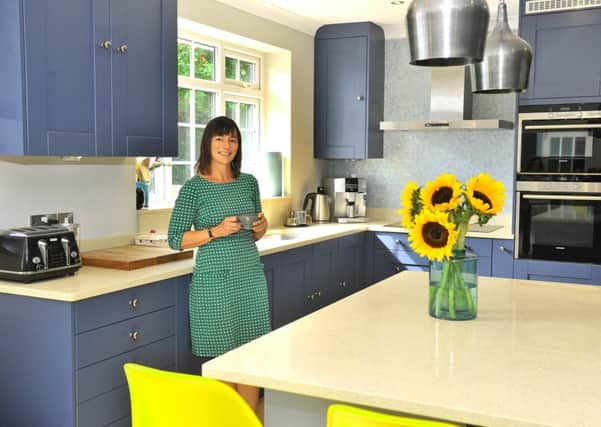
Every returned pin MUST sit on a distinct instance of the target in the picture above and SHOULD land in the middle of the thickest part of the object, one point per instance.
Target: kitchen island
(531, 358)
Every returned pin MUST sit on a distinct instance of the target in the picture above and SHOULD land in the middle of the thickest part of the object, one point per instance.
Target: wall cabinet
(567, 57)
(64, 361)
(89, 77)
(349, 91)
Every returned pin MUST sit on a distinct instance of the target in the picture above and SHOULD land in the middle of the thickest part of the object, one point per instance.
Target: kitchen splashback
(421, 156)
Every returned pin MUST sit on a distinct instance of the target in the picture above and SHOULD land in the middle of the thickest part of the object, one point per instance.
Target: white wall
(102, 196)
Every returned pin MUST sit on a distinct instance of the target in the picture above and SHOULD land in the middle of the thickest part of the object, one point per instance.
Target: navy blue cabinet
(64, 361)
(567, 57)
(349, 91)
(91, 78)
(502, 258)
(553, 271)
(350, 265)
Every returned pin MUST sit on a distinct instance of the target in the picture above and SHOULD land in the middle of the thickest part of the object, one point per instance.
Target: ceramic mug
(246, 220)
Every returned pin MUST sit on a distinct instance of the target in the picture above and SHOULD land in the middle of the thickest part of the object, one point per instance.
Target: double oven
(558, 185)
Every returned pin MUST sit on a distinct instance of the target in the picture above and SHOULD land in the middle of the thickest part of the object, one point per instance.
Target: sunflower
(443, 194)
(410, 204)
(433, 236)
(485, 194)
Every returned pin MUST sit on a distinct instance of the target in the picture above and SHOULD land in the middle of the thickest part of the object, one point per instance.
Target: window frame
(234, 90)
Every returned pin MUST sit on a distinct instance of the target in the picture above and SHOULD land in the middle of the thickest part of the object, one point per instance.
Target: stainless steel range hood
(450, 105)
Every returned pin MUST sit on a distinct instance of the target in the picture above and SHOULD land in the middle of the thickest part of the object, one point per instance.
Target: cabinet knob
(343, 284)
(318, 294)
(135, 335)
(360, 98)
(107, 44)
(397, 268)
(311, 297)
(502, 248)
(134, 303)
(122, 49)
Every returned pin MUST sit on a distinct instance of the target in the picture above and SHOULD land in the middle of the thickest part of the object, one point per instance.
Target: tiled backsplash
(422, 155)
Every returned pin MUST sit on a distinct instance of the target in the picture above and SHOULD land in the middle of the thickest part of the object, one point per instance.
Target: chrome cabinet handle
(122, 49)
(360, 98)
(502, 248)
(311, 297)
(397, 268)
(318, 294)
(135, 335)
(107, 44)
(134, 303)
(342, 284)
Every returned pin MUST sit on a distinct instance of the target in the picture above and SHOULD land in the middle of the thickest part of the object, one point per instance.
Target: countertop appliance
(558, 188)
(38, 252)
(320, 208)
(347, 198)
(298, 218)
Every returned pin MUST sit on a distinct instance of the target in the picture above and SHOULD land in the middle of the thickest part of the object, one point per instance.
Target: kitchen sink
(282, 236)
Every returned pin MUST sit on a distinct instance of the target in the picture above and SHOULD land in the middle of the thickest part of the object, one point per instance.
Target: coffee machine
(347, 198)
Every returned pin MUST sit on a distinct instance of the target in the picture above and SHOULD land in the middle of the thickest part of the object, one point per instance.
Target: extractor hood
(450, 105)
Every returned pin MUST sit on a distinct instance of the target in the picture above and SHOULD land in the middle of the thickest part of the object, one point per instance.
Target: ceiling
(308, 15)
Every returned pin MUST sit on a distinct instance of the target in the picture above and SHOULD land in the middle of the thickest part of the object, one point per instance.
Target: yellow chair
(349, 416)
(170, 399)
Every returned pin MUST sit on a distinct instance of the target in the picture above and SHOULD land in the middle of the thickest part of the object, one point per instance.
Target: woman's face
(224, 148)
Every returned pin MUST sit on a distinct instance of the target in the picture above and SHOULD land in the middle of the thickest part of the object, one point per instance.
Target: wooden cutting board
(131, 257)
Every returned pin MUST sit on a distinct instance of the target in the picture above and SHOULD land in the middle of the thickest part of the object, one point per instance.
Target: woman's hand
(229, 225)
(260, 226)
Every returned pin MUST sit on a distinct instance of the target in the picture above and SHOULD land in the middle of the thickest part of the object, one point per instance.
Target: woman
(228, 295)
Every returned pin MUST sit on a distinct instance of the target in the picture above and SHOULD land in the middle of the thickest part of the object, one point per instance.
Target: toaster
(38, 252)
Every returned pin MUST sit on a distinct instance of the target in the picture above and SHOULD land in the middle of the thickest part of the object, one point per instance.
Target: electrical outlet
(43, 219)
(51, 218)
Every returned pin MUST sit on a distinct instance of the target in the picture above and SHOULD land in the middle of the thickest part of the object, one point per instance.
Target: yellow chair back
(171, 399)
(349, 416)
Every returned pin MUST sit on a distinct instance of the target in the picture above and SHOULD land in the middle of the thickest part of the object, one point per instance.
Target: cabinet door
(341, 93)
(144, 77)
(502, 258)
(271, 265)
(290, 290)
(350, 265)
(567, 55)
(325, 277)
(67, 109)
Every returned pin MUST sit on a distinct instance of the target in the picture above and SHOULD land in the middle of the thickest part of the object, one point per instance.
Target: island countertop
(531, 358)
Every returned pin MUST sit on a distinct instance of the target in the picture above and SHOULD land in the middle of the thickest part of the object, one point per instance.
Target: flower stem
(452, 280)
(462, 230)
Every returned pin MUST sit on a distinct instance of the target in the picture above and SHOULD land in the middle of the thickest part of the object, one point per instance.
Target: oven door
(570, 147)
(560, 227)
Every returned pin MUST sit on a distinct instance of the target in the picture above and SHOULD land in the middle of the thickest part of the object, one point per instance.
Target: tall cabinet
(89, 77)
(567, 56)
(349, 91)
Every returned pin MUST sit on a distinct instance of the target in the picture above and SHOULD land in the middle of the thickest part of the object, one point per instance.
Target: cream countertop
(93, 281)
(531, 358)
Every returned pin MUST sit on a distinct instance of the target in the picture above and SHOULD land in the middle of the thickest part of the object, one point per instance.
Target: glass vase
(454, 287)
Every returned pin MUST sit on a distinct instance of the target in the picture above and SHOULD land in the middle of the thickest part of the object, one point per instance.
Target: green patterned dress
(228, 295)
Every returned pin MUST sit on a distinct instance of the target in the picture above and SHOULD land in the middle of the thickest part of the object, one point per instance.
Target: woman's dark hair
(218, 126)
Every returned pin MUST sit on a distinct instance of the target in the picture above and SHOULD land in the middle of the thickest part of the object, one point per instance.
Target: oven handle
(552, 197)
(541, 127)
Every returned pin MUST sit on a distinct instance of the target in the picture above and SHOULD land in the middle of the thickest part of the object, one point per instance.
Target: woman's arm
(260, 226)
(193, 239)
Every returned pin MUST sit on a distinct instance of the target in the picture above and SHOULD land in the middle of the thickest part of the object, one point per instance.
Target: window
(213, 80)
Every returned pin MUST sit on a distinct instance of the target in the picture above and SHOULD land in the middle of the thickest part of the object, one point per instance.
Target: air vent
(544, 6)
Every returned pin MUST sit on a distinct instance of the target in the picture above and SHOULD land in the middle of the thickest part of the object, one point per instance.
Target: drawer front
(559, 279)
(385, 268)
(560, 269)
(100, 311)
(108, 375)
(392, 241)
(105, 409)
(103, 343)
(403, 257)
(480, 247)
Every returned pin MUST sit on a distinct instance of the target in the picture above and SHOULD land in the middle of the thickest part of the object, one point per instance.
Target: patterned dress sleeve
(182, 216)
(257, 195)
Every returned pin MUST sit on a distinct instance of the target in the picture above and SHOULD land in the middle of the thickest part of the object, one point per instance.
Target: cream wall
(305, 172)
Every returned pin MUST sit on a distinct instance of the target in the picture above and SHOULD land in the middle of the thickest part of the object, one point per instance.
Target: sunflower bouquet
(437, 217)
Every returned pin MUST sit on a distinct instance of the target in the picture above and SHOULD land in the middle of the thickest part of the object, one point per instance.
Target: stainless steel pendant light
(507, 60)
(447, 32)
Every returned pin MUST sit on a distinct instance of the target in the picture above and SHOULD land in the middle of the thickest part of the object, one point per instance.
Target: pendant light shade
(447, 33)
(507, 60)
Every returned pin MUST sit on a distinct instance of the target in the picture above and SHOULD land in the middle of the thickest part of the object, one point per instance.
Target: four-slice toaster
(38, 252)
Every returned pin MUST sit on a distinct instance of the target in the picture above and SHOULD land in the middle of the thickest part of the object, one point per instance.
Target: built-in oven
(558, 221)
(560, 145)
